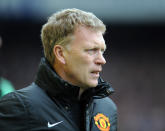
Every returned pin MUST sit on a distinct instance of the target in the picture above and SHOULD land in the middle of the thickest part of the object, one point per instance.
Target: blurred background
(135, 56)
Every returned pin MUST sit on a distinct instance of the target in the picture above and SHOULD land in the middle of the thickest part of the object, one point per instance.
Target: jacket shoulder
(16, 108)
(107, 103)
(12, 110)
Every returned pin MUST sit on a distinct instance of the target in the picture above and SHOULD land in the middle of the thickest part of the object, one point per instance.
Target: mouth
(95, 74)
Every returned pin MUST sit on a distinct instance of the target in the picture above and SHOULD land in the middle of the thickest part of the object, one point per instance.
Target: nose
(100, 59)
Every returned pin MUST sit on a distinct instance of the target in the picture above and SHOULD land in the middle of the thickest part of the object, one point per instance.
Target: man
(68, 93)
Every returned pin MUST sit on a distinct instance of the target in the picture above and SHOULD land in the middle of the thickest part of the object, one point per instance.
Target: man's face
(84, 58)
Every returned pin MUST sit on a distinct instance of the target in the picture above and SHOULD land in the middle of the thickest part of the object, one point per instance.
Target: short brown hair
(62, 24)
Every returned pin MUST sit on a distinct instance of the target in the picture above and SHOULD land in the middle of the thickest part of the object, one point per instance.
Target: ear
(59, 53)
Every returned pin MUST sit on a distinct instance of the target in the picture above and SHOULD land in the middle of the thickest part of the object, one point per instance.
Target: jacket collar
(103, 89)
(48, 79)
(53, 84)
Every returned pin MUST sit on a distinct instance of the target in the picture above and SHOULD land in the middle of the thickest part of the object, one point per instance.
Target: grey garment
(32, 109)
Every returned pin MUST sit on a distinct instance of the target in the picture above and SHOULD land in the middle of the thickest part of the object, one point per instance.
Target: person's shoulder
(21, 96)
(110, 102)
(29, 91)
(106, 102)
(12, 105)
(15, 106)
(21, 101)
(32, 95)
(12, 98)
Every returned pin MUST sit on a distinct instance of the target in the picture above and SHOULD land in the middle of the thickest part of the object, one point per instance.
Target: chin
(93, 84)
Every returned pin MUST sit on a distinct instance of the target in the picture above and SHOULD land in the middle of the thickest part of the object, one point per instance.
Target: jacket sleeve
(13, 113)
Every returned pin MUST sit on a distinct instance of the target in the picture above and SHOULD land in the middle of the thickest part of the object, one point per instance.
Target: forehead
(88, 37)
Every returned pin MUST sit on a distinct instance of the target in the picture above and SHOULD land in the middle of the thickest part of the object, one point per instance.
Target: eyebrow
(96, 46)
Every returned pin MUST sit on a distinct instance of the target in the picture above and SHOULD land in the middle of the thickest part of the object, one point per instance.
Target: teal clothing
(5, 87)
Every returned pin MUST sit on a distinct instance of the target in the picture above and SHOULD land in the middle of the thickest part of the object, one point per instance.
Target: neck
(60, 71)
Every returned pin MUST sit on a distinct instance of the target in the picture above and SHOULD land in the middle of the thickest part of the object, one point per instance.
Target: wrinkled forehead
(85, 33)
(85, 38)
(83, 28)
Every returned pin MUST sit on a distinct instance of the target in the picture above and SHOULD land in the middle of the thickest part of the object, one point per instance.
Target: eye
(92, 51)
(102, 51)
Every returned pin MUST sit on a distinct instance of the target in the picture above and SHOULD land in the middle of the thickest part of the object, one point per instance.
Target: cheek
(83, 60)
(84, 66)
(81, 66)
(80, 62)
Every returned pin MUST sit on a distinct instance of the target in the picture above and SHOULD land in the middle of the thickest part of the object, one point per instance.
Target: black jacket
(50, 103)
